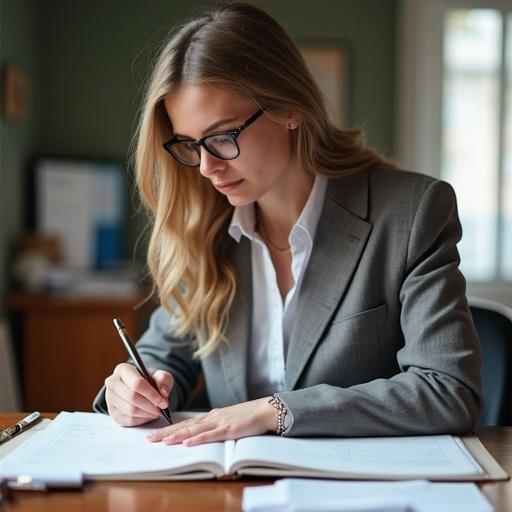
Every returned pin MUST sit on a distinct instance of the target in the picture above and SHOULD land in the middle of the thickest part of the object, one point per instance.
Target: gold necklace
(266, 238)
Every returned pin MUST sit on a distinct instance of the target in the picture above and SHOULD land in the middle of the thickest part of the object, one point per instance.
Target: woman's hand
(131, 400)
(241, 420)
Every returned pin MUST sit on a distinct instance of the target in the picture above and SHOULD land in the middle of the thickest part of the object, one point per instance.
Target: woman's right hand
(131, 400)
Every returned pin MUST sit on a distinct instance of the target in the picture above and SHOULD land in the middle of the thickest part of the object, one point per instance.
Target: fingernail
(151, 435)
(164, 391)
(163, 404)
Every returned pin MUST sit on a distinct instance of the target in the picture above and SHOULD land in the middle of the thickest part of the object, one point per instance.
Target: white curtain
(10, 397)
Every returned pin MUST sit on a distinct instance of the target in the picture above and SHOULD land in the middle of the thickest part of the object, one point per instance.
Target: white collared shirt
(273, 321)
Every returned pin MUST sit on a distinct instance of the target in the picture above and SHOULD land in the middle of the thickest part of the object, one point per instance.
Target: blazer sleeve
(438, 387)
(161, 350)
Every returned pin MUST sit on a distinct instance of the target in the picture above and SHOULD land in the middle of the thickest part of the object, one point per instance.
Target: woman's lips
(227, 185)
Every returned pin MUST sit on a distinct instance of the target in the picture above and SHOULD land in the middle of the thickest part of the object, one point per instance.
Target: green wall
(19, 40)
(95, 51)
(92, 57)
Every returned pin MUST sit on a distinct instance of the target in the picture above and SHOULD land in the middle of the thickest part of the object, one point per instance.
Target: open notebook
(93, 446)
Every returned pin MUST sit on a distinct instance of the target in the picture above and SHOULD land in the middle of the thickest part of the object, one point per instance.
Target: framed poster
(15, 93)
(82, 203)
(328, 65)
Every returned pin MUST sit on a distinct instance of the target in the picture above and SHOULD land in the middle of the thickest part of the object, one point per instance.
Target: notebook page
(415, 456)
(97, 446)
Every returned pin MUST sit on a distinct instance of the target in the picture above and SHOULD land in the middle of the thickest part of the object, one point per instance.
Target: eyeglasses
(222, 145)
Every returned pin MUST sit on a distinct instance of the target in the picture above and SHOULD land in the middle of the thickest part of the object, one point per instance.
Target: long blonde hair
(240, 47)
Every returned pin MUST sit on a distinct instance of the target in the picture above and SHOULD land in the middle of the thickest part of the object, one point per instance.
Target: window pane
(507, 164)
(469, 158)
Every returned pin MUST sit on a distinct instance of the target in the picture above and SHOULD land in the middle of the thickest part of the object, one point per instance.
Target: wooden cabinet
(67, 347)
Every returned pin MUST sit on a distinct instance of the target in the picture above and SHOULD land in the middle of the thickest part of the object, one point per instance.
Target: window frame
(419, 95)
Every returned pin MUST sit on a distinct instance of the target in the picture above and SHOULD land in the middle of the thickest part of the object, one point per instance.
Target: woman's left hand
(241, 420)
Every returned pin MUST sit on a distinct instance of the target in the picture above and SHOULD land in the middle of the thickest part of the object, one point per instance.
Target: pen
(139, 363)
(22, 425)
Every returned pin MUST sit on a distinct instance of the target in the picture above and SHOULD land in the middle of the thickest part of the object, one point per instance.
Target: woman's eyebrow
(211, 127)
(219, 123)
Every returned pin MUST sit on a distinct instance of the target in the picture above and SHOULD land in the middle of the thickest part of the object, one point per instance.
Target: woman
(315, 286)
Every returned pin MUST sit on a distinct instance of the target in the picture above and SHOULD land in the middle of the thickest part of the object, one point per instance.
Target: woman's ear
(293, 123)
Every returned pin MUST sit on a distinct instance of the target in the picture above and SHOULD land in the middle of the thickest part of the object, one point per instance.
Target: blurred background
(429, 81)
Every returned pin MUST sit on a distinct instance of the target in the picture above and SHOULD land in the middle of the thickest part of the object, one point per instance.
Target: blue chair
(493, 322)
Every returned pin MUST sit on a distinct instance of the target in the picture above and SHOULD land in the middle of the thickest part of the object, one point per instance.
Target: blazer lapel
(234, 353)
(339, 242)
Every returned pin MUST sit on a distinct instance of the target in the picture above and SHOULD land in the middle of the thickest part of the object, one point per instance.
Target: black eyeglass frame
(196, 144)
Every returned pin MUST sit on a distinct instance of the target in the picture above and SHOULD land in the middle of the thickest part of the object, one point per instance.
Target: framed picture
(81, 202)
(15, 94)
(328, 65)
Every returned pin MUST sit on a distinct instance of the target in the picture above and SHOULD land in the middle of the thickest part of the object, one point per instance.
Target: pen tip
(118, 324)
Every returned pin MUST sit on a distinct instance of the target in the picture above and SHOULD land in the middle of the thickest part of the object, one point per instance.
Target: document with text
(99, 449)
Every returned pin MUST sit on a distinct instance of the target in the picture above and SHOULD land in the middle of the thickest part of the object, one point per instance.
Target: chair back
(493, 323)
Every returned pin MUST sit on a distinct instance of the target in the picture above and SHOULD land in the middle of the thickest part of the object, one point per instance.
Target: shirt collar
(310, 215)
(243, 220)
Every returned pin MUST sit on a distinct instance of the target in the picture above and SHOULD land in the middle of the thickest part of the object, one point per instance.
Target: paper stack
(303, 495)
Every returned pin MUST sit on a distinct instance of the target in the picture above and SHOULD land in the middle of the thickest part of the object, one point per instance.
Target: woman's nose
(210, 164)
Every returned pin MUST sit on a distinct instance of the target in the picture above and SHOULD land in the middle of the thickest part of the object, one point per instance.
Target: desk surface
(211, 495)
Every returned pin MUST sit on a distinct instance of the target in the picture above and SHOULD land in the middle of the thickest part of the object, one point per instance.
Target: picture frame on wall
(328, 63)
(15, 94)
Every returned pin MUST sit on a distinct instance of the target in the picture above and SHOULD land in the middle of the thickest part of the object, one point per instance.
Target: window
(455, 117)
(506, 248)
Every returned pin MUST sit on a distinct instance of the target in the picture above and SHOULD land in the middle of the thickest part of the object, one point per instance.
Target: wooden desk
(212, 496)
(68, 346)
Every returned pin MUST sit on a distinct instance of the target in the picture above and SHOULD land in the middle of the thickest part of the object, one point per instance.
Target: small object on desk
(39, 479)
(23, 483)
(22, 425)
(139, 363)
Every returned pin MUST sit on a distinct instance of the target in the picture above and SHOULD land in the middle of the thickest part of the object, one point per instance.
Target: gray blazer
(383, 343)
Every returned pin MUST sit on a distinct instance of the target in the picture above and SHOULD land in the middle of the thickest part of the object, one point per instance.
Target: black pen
(139, 363)
(22, 425)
